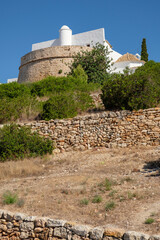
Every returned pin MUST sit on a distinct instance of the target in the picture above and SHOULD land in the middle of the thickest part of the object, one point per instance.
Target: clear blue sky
(126, 22)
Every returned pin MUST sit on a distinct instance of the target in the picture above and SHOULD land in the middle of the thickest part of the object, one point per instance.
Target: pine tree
(144, 54)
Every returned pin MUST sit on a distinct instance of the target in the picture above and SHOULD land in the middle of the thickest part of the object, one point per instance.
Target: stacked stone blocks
(105, 129)
(19, 226)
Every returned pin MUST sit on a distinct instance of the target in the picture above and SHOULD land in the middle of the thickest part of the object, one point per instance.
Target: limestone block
(96, 233)
(55, 223)
(81, 230)
(26, 226)
(131, 235)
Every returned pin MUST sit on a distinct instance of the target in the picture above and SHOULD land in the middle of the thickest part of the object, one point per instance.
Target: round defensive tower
(51, 61)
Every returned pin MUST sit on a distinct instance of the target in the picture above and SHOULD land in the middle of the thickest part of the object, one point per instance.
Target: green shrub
(109, 206)
(12, 109)
(13, 90)
(9, 197)
(66, 105)
(94, 62)
(19, 142)
(136, 91)
(84, 201)
(97, 199)
(55, 85)
(149, 221)
(108, 184)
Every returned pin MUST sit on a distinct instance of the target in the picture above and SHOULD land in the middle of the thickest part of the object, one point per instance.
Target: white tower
(65, 36)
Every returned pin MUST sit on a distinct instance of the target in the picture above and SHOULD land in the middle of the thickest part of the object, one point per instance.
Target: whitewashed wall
(120, 66)
(81, 39)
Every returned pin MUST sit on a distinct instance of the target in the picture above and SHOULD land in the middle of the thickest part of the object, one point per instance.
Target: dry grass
(25, 168)
(63, 186)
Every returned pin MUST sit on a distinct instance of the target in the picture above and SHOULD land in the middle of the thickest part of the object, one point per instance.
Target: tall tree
(144, 54)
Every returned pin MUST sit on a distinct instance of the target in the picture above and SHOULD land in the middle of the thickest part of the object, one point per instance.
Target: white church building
(89, 39)
(66, 38)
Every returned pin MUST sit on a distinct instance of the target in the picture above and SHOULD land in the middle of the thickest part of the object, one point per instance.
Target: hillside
(77, 186)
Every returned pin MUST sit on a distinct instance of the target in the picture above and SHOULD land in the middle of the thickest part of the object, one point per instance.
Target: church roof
(128, 57)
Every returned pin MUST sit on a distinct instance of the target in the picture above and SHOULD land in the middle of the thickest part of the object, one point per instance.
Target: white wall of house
(119, 67)
(66, 38)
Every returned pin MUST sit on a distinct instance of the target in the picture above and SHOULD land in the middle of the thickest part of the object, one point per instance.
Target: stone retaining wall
(104, 129)
(19, 226)
(45, 62)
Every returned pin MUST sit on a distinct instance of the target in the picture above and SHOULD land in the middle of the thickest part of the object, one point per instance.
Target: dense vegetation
(136, 91)
(95, 63)
(18, 142)
(53, 97)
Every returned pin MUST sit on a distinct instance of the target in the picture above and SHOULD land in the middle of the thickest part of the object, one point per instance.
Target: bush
(149, 221)
(29, 101)
(9, 197)
(19, 142)
(66, 105)
(12, 109)
(109, 206)
(84, 201)
(53, 85)
(137, 91)
(13, 90)
(95, 63)
(97, 199)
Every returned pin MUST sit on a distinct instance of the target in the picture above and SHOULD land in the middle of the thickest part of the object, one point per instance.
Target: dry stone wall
(105, 129)
(45, 62)
(19, 226)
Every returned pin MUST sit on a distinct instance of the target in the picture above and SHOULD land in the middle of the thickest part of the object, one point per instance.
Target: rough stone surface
(131, 235)
(50, 229)
(45, 62)
(97, 233)
(106, 129)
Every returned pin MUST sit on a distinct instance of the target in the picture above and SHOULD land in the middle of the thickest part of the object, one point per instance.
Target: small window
(88, 45)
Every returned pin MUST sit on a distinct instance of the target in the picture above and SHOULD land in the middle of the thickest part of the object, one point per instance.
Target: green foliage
(19, 142)
(66, 105)
(149, 221)
(97, 199)
(16, 102)
(144, 54)
(80, 74)
(137, 91)
(95, 63)
(109, 206)
(60, 71)
(26, 101)
(84, 201)
(20, 107)
(108, 184)
(54, 85)
(9, 197)
(13, 90)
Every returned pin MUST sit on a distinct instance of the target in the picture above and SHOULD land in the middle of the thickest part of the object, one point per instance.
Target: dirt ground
(95, 187)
